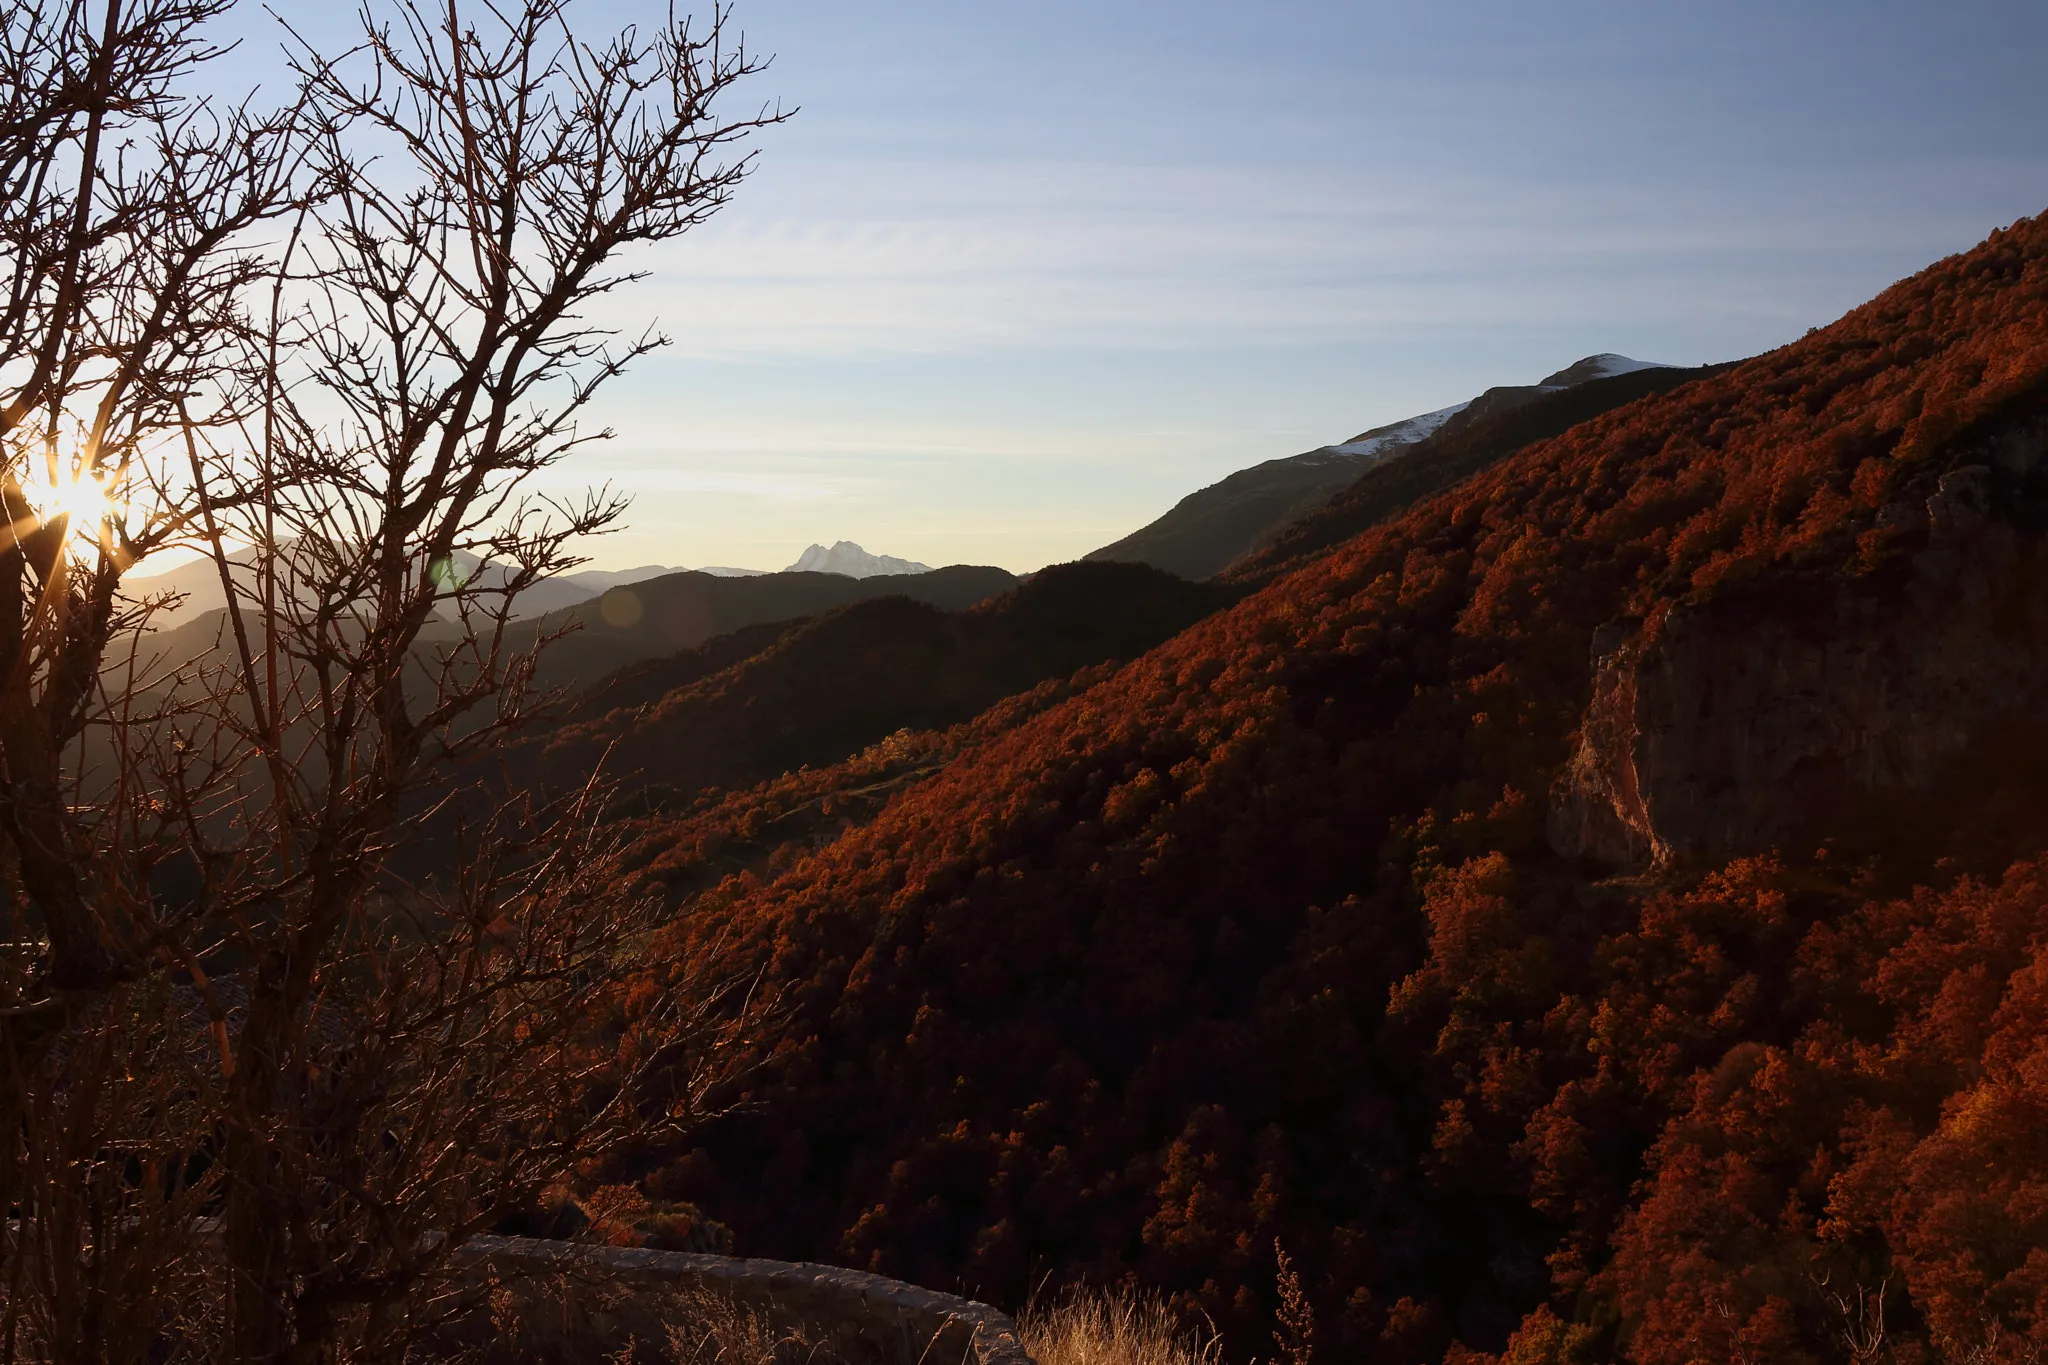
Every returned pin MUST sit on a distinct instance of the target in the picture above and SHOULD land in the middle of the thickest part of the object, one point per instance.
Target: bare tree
(126, 214)
(330, 347)
(1859, 1310)
(124, 209)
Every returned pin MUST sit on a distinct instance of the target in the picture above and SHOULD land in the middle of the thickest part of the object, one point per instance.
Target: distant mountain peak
(847, 558)
(1606, 365)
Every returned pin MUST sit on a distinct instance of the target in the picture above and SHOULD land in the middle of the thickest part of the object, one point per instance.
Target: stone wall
(607, 1294)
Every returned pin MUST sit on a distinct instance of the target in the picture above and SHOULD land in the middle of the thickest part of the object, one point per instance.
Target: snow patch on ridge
(1611, 364)
(1381, 441)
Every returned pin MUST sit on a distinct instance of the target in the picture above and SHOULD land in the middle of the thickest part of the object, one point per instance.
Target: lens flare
(74, 494)
(83, 500)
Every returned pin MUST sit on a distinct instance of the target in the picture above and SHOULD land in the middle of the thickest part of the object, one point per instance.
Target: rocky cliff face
(1761, 715)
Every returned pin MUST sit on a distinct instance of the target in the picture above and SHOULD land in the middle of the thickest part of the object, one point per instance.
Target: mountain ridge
(811, 693)
(597, 636)
(1215, 525)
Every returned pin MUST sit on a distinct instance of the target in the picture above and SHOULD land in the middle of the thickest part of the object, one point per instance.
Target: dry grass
(1113, 1327)
(707, 1329)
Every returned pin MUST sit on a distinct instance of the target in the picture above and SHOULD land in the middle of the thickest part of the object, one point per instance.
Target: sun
(82, 499)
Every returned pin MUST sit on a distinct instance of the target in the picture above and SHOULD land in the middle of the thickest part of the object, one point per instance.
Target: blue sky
(1019, 276)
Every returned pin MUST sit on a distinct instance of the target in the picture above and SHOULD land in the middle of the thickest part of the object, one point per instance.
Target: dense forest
(1395, 918)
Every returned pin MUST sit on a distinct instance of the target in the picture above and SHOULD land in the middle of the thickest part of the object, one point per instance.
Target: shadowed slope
(830, 687)
(1210, 527)
(678, 611)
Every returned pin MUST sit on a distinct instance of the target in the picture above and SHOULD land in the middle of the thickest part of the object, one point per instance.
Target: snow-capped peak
(850, 559)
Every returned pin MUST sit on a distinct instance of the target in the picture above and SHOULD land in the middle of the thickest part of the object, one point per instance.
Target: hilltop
(1213, 526)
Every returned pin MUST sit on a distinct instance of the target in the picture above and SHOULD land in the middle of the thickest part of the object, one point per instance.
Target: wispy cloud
(913, 257)
(678, 477)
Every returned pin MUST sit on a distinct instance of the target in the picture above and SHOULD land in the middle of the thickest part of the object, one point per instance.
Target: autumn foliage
(1258, 941)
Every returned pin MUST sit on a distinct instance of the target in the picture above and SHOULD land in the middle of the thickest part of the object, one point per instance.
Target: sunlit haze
(1018, 277)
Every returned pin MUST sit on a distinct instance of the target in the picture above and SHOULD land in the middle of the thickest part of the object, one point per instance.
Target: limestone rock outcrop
(1748, 720)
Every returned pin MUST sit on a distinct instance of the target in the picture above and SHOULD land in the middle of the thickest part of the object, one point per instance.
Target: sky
(1016, 277)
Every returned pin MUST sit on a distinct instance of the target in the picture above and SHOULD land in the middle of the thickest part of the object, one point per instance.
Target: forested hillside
(1393, 918)
(679, 611)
